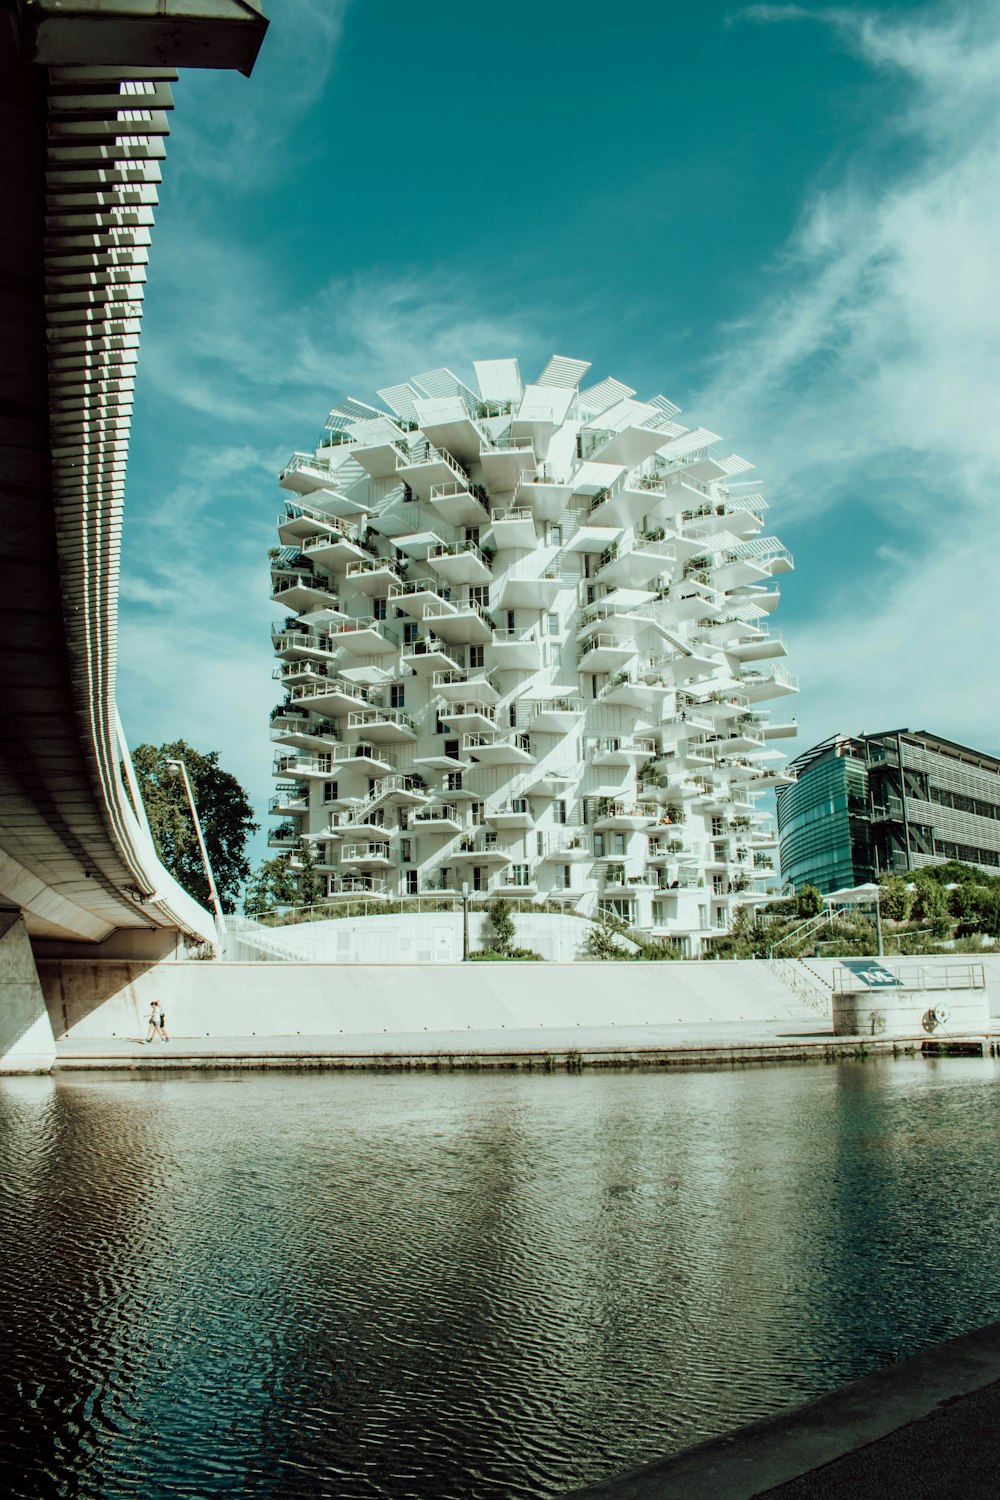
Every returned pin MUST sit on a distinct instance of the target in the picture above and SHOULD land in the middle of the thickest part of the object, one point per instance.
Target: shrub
(493, 956)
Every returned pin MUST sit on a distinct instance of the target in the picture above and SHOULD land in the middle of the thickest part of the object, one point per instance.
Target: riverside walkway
(542, 1049)
(926, 1428)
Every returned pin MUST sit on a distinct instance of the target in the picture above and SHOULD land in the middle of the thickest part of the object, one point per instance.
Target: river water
(470, 1285)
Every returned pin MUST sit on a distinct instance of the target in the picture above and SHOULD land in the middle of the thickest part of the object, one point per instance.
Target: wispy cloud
(870, 370)
(238, 136)
(259, 373)
(252, 348)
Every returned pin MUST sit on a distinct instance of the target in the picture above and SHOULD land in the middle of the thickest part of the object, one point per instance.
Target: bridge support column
(27, 1044)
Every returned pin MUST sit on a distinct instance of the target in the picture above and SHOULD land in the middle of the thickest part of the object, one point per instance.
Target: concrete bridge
(84, 95)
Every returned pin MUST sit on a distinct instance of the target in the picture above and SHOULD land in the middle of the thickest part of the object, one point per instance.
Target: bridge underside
(83, 131)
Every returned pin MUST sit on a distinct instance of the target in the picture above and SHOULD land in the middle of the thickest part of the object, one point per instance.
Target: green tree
(894, 898)
(310, 883)
(930, 906)
(272, 884)
(502, 927)
(808, 901)
(223, 808)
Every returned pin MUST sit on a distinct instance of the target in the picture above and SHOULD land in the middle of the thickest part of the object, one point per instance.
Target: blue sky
(785, 217)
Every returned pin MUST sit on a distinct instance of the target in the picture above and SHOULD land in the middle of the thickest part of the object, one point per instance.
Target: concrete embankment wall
(393, 937)
(112, 997)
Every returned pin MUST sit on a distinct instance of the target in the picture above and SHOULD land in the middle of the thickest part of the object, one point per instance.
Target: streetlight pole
(465, 921)
(213, 892)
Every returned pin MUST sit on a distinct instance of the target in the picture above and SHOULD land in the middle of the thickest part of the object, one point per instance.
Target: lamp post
(465, 921)
(213, 893)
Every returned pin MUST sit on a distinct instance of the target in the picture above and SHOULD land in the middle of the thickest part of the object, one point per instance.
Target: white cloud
(871, 371)
(238, 137)
(196, 659)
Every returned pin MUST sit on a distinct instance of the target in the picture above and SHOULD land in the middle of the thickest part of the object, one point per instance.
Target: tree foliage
(808, 901)
(223, 809)
(894, 898)
(272, 884)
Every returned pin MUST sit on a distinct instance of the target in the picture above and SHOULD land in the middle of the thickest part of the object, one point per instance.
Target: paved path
(923, 1429)
(698, 1044)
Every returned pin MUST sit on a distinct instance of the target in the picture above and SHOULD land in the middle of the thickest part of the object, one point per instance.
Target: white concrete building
(524, 648)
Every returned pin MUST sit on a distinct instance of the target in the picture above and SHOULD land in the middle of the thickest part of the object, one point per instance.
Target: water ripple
(465, 1287)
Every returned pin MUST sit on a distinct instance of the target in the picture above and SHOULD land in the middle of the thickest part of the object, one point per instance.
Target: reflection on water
(465, 1286)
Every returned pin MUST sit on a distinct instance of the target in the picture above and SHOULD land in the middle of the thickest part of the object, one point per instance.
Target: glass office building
(892, 801)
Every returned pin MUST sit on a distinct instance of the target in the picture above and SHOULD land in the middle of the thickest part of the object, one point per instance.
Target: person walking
(163, 1024)
(154, 1023)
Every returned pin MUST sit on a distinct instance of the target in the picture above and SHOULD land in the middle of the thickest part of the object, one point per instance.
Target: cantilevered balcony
(460, 562)
(447, 422)
(334, 551)
(361, 756)
(527, 587)
(378, 448)
(620, 817)
(516, 881)
(593, 539)
(469, 717)
(300, 521)
(545, 496)
(480, 848)
(459, 624)
(289, 799)
(440, 817)
(687, 600)
(473, 686)
(511, 749)
(301, 591)
(625, 690)
(604, 652)
(304, 472)
(283, 836)
(367, 856)
(333, 698)
(460, 503)
(621, 750)
(516, 650)
(414, 597)
(513, 528)
(768, 682)
(565, 848)
(505, 461)
(673, 494)
(422, 467)
(429, 656)
(552, 715)
(298, 674)
(366, 638)
(623, 503)
(758, 647)
(515, 814)
(617, 621)
(301, 732)
(303, 645)
(373, 576)
(383, 726)
(635, 568)
(623, 436)
(755, 561)
(302, 767)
